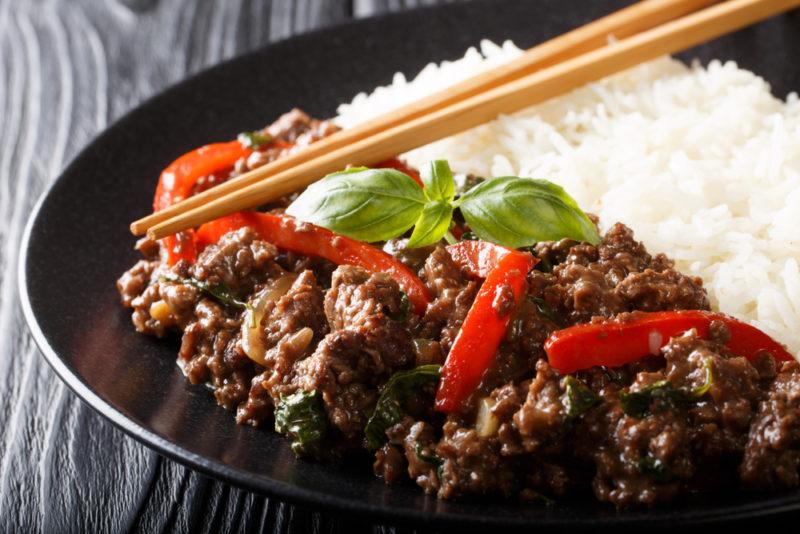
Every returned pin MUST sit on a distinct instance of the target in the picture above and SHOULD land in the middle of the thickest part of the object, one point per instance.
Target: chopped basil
(432, 459)
(580, 398)
(254, 139)
(389, 408)
(380, 204)
(404, 310)
(662, 395)
(547, 312)
(301, 417)
(419, 452)
(219, 292)
(469, 236)
(656, 397)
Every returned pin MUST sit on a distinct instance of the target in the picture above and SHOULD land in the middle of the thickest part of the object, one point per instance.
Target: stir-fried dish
(476, 337)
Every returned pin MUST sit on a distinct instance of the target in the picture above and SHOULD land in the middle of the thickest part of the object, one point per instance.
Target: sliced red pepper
(176, 183)
(303, 238)
(615, 343)
(396, 163)
(485, 325)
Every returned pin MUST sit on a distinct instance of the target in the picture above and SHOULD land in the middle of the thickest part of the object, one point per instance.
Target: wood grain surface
(67, 69)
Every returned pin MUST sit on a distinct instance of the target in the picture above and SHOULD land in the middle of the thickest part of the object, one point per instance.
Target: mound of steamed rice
(703, 164)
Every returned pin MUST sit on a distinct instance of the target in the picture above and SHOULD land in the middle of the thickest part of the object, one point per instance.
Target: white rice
(703, 164)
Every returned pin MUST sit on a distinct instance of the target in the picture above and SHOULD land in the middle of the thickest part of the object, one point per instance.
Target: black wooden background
(67, 69)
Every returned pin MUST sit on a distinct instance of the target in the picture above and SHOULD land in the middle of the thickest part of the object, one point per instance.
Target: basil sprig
(379, 204)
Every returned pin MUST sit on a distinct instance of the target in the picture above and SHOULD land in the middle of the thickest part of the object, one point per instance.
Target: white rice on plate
(702, 162)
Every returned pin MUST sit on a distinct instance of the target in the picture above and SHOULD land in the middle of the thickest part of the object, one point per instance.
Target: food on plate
(482, 337)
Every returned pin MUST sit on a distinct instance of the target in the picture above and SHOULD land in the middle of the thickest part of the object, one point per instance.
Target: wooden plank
(67, 69)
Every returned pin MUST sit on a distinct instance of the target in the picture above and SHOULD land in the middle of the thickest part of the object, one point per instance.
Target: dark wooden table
(67, 69)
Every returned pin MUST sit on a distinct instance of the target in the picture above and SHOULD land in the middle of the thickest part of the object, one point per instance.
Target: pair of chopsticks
(644, 31)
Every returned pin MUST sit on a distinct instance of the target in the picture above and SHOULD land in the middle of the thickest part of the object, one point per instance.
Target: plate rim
(288, 492)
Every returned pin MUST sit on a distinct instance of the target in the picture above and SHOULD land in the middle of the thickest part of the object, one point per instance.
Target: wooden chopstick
(515, 95)
(620, 24)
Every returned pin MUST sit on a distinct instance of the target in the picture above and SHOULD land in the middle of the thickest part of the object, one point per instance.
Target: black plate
(77, 244)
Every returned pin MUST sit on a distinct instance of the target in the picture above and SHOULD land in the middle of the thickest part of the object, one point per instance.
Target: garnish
(403, 311)
(301, 417)
(365, 204)
(431, 459)
(379, 204)
(580, 398)
(219, 292)
(662, 395)
(255, 139)
(389, 409)
(518, 212)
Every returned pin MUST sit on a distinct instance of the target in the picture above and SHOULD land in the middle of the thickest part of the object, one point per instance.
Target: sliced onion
(486, 423)
(300, 340)
(252, 343)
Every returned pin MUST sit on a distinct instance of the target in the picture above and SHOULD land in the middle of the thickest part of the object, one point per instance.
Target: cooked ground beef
(289, 323)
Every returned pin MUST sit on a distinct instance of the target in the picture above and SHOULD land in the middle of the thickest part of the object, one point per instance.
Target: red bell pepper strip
(614, 343)
(288, 233)
(485, 325)
(176, 183)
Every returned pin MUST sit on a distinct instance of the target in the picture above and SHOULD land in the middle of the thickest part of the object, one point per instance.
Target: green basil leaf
(405, 309)
(438, 180)
(662, 395)
(389, 408)
(365, 204)
(432, 458)
(433, 223)
(302, 417)
(518, 212)
(657, 397)
(580, 398)
(220, 292)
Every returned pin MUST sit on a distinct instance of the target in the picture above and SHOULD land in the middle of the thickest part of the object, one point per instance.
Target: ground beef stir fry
(296, 338)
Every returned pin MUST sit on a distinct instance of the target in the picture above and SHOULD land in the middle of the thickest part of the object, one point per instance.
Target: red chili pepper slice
(176, 183)
(485, 326)
(303, 238)
(613, 343)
